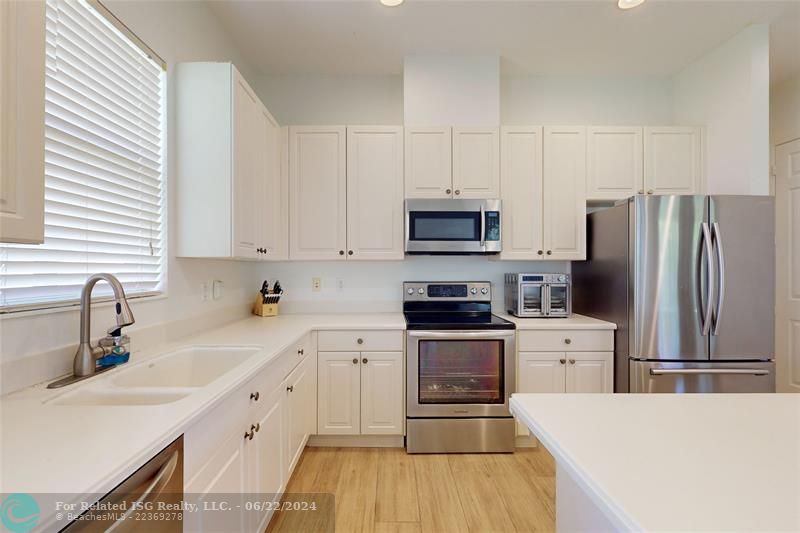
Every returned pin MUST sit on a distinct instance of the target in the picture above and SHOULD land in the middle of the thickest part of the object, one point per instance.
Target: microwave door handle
(483, 228)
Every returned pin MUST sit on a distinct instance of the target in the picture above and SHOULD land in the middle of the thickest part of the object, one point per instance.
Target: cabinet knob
(350, 252)
(650, 191)
(572, 361)
(549, 252)
(540, 252)
(255, 427)
(290, 388)
(448, 191)
(255, 396)
(341, 252)
(301, 351)
(360, 341)
(365, 360)
(641, 191)
(562, 361)
(248, 435)
(458, 192)
(355, 360)
(567, 341)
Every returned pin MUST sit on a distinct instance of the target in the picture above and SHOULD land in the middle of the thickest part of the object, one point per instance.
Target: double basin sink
(164, 379)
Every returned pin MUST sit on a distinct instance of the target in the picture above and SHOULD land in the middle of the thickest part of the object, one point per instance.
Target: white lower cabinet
(360, 393)
(555, 361)
(300, 410)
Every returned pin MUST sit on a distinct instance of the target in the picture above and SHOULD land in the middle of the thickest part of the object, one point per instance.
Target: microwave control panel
(492, 219)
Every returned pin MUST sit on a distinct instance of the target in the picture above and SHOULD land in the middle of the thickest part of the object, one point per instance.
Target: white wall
(784, 111)
(727, 91)
(40, 347)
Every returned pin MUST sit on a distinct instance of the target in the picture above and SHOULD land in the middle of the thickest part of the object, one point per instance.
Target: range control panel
(462, 291)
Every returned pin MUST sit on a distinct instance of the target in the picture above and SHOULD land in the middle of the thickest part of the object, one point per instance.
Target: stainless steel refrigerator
(690, 283)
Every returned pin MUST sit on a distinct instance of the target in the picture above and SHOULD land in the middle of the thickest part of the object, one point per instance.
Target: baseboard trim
(357, 441)
(527, 442)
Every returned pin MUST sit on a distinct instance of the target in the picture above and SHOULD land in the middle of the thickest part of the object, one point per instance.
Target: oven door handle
(456, 335)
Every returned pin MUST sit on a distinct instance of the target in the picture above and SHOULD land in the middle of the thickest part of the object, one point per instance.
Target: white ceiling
(556, 37)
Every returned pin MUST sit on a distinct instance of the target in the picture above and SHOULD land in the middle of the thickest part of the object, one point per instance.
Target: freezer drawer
(649, 376)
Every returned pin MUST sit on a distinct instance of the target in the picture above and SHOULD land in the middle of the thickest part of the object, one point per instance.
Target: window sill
(74, 305)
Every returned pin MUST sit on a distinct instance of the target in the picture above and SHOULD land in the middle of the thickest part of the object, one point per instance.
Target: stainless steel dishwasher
(149, 500)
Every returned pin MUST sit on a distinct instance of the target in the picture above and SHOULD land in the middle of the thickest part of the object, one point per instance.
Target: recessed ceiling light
(627, 4)
(393, 3)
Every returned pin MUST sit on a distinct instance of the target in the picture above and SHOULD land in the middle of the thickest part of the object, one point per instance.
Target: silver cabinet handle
(717, 240)
(696, 371)
(705, 318)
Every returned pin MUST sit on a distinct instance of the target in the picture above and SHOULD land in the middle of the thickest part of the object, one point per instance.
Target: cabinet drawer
(566, 341)
(358, 341)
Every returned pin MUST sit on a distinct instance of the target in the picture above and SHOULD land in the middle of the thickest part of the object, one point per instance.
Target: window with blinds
(104, 137)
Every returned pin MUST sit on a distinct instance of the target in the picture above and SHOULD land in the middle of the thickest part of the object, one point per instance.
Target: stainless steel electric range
(459, 371)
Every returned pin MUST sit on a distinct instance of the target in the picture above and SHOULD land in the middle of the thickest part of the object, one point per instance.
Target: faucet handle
(115, 344)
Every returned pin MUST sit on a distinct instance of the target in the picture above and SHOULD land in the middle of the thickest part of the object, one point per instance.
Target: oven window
(558, 299)
(532, 296)
(445, 226)
(456, 371)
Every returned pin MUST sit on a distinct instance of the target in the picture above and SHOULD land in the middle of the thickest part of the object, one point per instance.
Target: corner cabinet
(346, 193)
(672, 160)
(230, 188)
(361, 382)
(544, 193)
(22, 73)
(452, 163)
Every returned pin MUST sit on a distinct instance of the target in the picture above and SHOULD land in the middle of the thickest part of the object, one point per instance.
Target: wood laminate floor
(385, 490)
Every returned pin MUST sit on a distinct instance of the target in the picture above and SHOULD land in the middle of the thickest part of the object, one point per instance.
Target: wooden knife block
(262, 309)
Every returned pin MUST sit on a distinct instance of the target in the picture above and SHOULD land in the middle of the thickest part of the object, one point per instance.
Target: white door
(787, 255)
(248, 167)
(521, 192)
(229, 480)
(318, 194)
(382, 380)
(672, 160)
(428, 163)
(272, 209)
(299, 388)
(265, 460)
(590, 372)
(614, 162)
(564, 207)
(476, 163)
(540, 372)
(338, 393)
(375, 193)
(22, 72)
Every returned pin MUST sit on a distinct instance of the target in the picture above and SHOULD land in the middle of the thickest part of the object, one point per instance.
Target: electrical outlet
(339, 284)
(316, 284)
(216, 288)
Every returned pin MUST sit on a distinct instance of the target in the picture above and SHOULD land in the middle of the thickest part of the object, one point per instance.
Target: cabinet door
(265, 460)
(672, 160)
(22, 72)
(614, 162)
(428, 163)
(272, 208)
(590, 372)
(564, 207)
(521, 191)
(476, 163)
(382, 380)
(300, 391)
(374, 193)
(338, 393)
(249, 164)
(318, 196)
(540, 372)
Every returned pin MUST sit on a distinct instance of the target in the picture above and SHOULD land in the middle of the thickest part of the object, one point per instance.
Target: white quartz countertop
(664, 462)
(50, 448)
(574, 321)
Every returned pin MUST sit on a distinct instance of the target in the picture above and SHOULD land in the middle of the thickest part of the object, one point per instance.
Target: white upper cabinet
(521, 193)
(318, 194)
(672, 160)
(22, 72)
(428, 163)
(229, 185)
(374, 192)
(614, 162)
(476, 163)
(564, 209)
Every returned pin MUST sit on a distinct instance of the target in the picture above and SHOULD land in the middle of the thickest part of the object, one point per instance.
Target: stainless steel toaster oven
(538, 295)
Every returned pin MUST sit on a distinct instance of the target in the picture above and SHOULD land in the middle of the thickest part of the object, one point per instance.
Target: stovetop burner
(451, 306)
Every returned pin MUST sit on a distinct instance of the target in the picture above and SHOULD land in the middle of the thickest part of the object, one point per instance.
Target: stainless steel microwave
(453, 226)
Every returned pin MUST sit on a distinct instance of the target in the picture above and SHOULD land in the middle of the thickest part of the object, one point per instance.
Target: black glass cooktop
(454, 321)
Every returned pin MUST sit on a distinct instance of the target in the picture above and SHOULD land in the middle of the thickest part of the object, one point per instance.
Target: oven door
(532, 299)
(558, 300)
(460, 373)
(453, 226)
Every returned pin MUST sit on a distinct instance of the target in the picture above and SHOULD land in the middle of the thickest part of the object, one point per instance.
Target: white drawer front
(360, 341)
(565, 341)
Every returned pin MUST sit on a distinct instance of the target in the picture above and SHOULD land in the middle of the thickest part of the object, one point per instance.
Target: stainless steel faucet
(85, 363)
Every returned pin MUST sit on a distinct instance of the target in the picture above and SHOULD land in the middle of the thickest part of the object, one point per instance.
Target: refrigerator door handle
(695, 371)
(717, 240)
(705, 318)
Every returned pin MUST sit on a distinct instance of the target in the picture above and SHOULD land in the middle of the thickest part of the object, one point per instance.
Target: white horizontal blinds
(104, 136)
